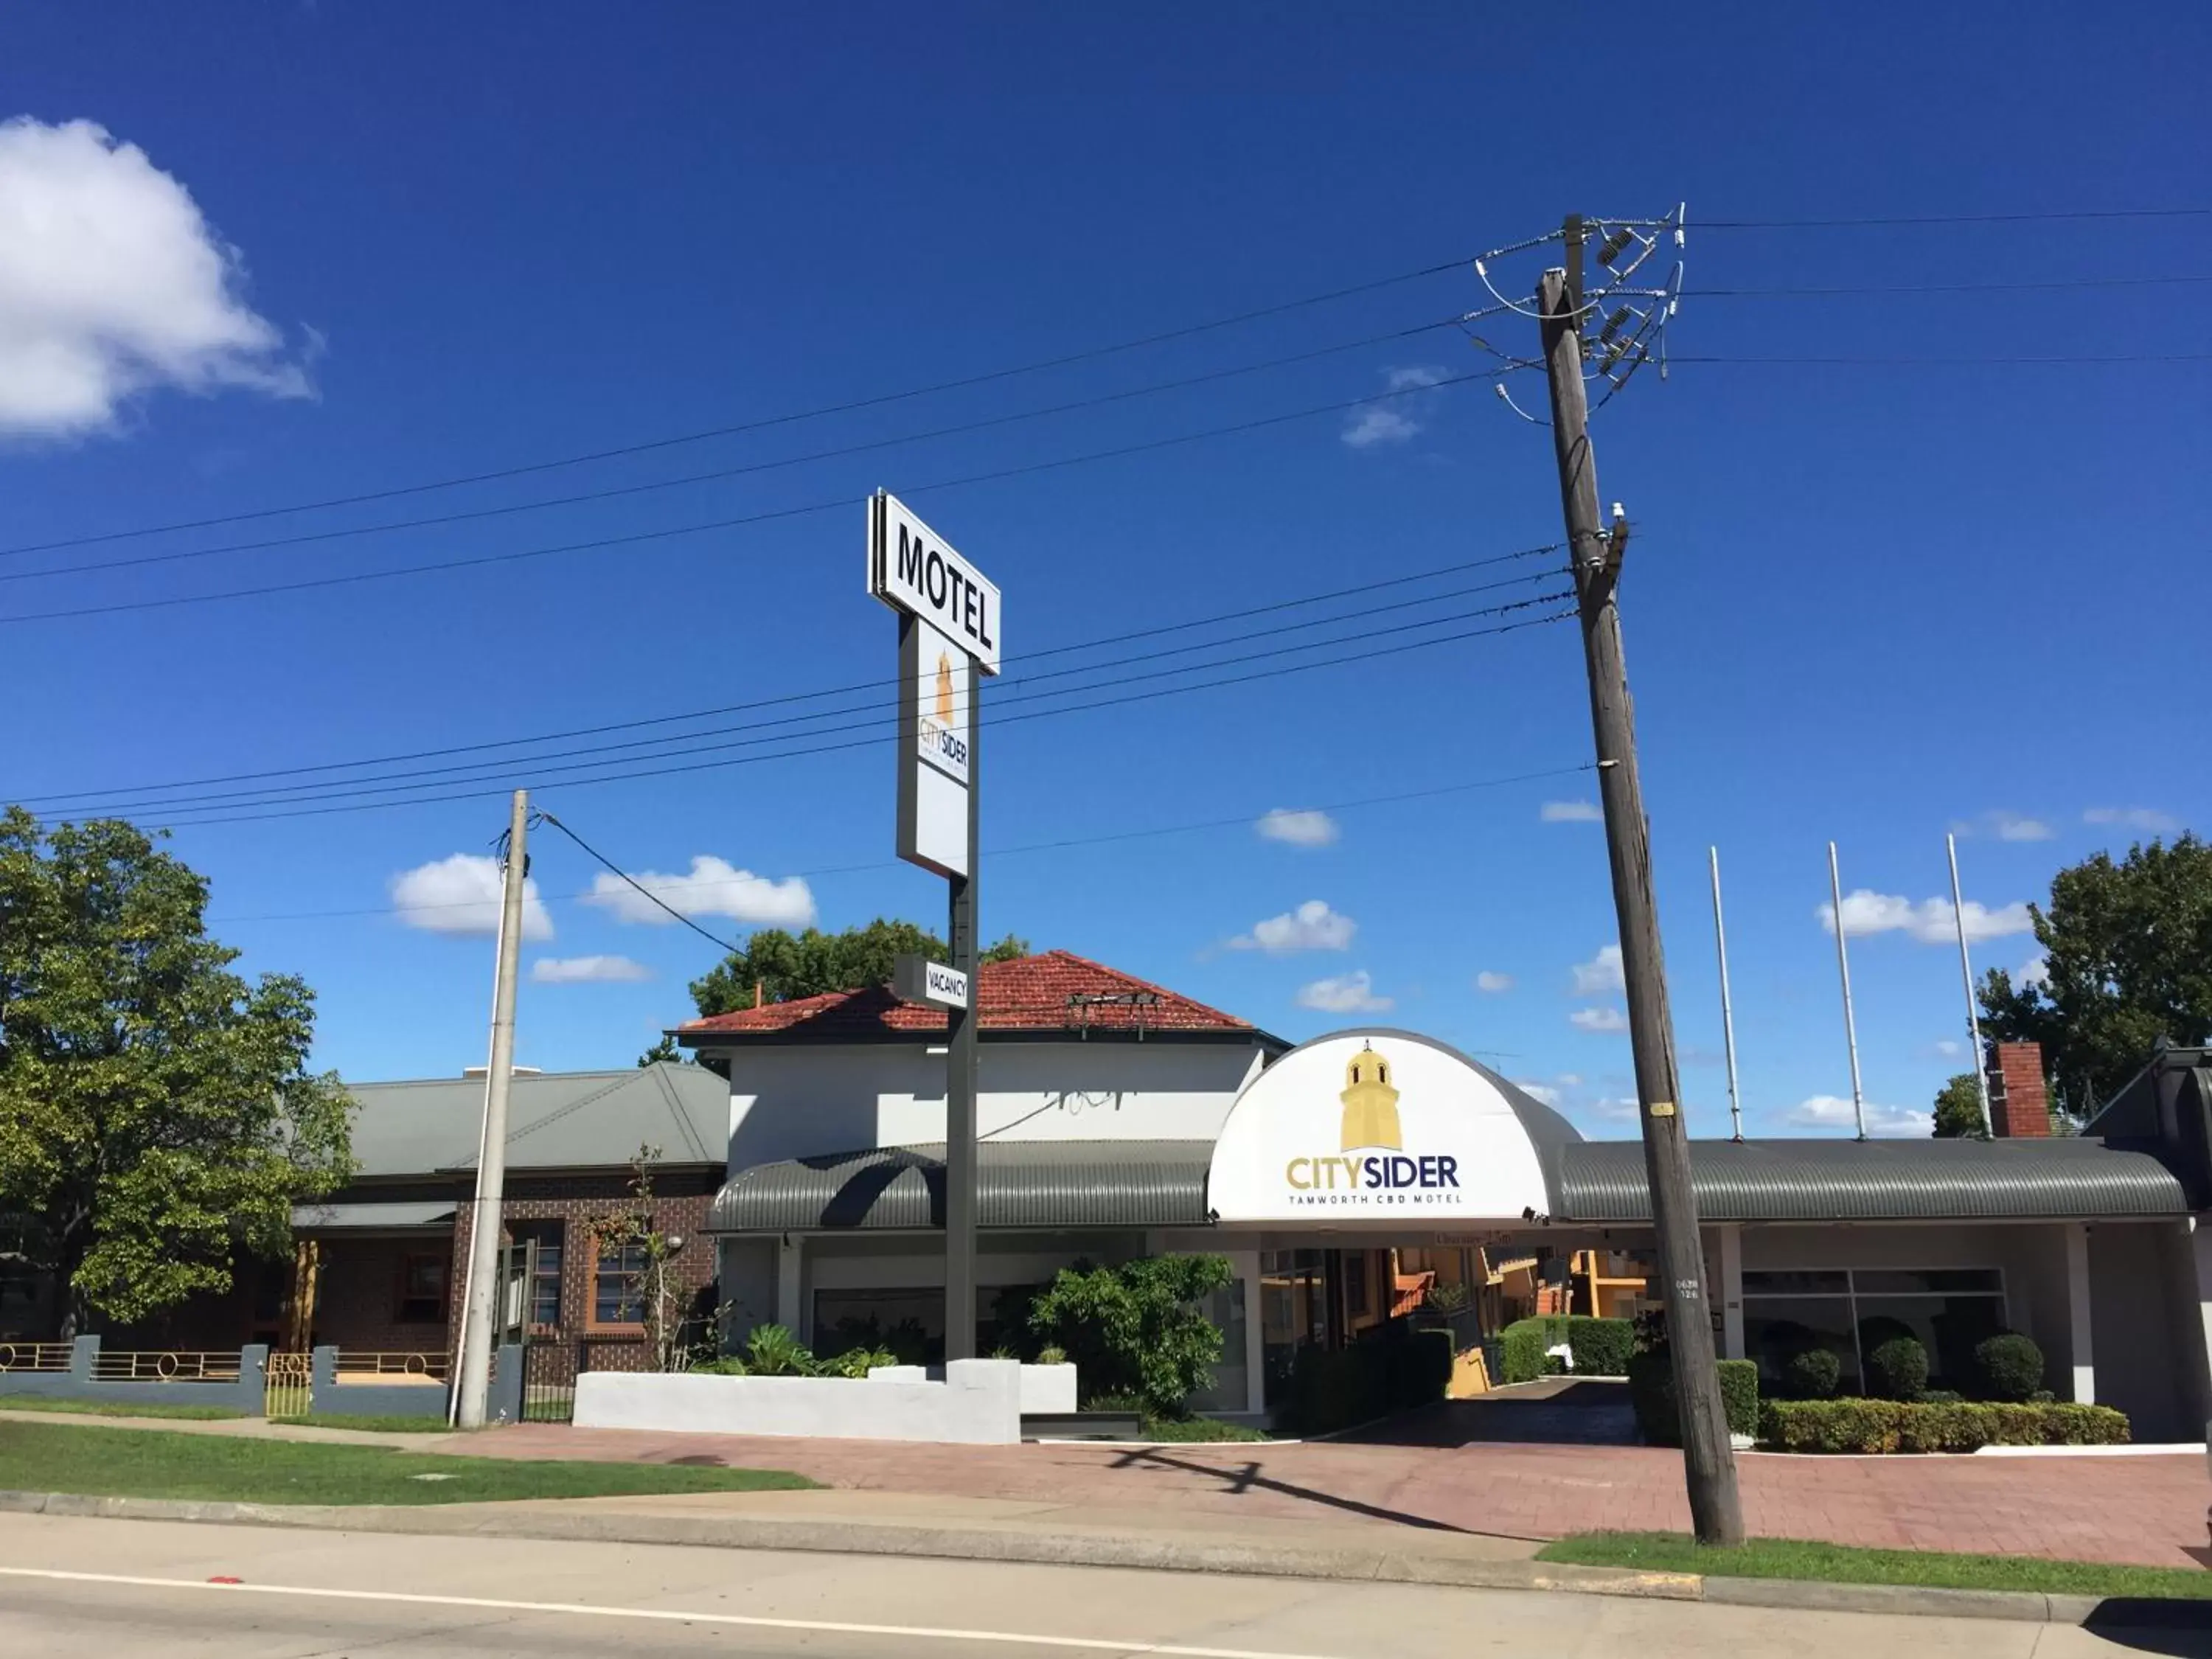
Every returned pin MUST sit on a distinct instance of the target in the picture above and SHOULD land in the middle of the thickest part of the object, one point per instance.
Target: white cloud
(1298, 828)
(1346, 993)
(1543, 1091)
(585, 971)
(2036, 970)
(1950, 1048)
(715, 887)
(1619, 1109)
(2149, 819)
(1834, 1112)
(461, 895)
(2012, 826)
(1397, 422)
(1570, 1080)
(1491, 984)
(1930, 921)
(1570, 812)
(112, 284)
(1312, 926)
(1601, 973)
(1598, 1019)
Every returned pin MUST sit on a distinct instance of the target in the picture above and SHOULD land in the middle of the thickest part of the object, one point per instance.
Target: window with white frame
(1852, 1311)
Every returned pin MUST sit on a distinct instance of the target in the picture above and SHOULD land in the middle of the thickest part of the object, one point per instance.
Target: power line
(547, 817)
(1066, 843)
(1157, 630)
(849, 407)
(872, 716)
(2034, 285)
(881, 738)
(617, 491)
(1905, 362)
(1956, 219)
(842, 504)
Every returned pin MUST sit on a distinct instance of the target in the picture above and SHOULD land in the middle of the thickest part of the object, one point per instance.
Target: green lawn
(1789, 1557)
(376, 1424)
(148, 1463)
(21, 1402)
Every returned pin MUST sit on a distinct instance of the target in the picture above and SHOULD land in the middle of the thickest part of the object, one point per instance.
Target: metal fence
(550, 1367)
(52, 1357)
(165, 1365)
(290, 1390)
(356, 1366)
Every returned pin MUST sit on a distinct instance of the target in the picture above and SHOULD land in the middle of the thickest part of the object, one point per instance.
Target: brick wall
(681, 1200)
(2019, 1106)
(359, 1305)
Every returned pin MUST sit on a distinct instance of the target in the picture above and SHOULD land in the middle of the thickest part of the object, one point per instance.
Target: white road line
(906, 1633)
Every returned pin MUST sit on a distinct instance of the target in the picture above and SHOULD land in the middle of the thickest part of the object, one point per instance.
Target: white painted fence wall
(978, 1403)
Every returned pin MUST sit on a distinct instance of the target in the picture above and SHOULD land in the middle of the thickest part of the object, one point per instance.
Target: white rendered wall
(979, 1403)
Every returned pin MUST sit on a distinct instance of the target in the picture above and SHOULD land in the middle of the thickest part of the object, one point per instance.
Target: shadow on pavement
(2183, 1629)
(1561, 1412)
(1246, 1477)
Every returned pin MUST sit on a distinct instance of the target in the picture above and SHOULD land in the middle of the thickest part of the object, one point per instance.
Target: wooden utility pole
(1595, 558)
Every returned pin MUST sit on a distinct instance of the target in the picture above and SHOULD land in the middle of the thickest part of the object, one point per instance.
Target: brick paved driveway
(2148, 1508)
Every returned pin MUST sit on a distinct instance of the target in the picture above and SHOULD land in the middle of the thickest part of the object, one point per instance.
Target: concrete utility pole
(483, 1287)
(960, 1068)
(1595, 558)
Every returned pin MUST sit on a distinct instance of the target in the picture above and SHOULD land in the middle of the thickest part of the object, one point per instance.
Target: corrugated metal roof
(1019, 1183)
(556, 1120)
(361, 1217)
(1810, 1179)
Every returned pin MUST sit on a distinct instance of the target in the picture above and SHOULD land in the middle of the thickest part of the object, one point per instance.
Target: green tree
(157, 1118)
(1958, 1110)
(788, 966)
(664, 1052)
(2128, 954)
(1136, 1328)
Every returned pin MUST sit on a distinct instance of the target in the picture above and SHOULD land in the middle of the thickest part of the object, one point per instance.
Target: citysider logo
(1371, 1169)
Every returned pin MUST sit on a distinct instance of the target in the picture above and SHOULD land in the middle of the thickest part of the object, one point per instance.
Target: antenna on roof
(1086, 1000)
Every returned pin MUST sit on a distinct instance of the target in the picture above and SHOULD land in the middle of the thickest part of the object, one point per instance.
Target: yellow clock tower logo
(1371, 1103)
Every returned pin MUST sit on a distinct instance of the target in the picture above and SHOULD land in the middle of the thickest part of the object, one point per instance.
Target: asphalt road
(128, 1588)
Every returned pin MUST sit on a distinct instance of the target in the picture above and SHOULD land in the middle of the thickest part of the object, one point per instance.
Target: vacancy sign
(917, 979)
(912, 568)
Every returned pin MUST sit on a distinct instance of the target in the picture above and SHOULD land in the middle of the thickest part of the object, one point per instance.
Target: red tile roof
(1028, 994)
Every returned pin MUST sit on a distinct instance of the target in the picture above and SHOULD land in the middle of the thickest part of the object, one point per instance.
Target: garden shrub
(2010, 1366)
(1523, 1344)
(1136, 1327)
(1812, 1374)
(1602, 1346)
(1902, 1425)
(1651, 1392)
(1897, 1369)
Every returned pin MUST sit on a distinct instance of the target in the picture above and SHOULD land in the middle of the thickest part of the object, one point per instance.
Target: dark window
(422, 1279)
(910, 1323)
(1797, 1283)
(1925, 1281)
(614, 1287)
(544, 1305)
(1949, 1311)
(1355, 1285)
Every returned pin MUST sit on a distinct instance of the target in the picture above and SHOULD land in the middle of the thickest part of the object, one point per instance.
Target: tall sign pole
(1716, 1511)
(1966, 973)
(949, 640)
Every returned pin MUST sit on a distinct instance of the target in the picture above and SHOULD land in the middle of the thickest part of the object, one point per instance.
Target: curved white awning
(1382, 1126)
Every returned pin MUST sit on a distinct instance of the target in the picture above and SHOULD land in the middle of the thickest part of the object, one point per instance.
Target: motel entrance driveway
(1555, 1411)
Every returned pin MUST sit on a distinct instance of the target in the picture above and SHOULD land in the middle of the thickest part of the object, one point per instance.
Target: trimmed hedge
(1651, 1392)
(1602, 1347)
(1898, 1367)
(1903, 1426)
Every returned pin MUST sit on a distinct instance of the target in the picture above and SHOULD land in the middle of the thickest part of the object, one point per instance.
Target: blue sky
(1867, 601)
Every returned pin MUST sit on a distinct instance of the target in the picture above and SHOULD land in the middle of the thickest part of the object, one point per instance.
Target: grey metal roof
(1019, 1183)
(1811, 1180)
(556, 1120)
(364, 1218)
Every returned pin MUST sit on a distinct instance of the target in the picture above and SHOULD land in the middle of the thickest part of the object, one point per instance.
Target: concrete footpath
(2147, 1509)
(980, 1530)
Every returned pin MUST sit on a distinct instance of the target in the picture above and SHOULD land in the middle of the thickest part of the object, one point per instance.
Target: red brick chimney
(2019, 1108)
